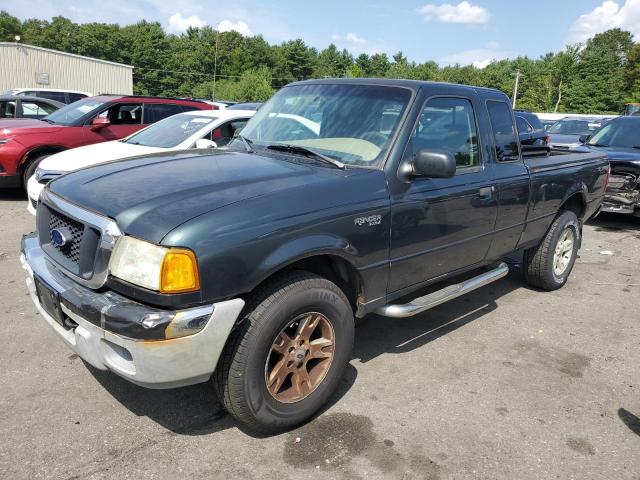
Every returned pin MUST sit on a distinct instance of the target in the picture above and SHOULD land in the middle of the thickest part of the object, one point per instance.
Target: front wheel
(288, 354)
(549, 265)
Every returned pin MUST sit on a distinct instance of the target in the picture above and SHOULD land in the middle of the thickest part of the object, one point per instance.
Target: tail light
(606, 179)
(547, 139)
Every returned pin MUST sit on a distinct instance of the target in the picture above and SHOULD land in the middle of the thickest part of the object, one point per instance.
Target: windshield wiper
(45, 119)
(248, 143)
(637, 146)
(283, 147)
(597, 145)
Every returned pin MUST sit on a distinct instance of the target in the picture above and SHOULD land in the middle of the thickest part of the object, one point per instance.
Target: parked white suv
(195, 129)
(62, 96)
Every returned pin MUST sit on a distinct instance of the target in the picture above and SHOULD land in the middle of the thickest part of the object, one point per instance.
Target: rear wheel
(288, 354)
(549, 265)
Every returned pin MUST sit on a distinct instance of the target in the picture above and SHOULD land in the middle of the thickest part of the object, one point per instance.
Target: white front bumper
(149, 363)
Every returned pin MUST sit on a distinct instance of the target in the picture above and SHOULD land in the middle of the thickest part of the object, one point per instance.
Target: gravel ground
(507, 383)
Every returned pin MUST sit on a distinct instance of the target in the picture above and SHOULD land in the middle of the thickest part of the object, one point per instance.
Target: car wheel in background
(30, 169)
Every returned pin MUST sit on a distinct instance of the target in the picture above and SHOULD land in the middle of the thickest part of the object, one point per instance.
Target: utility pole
(215, 66)
(515, 90)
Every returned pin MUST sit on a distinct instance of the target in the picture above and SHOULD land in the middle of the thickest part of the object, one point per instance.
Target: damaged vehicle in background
(620, 140)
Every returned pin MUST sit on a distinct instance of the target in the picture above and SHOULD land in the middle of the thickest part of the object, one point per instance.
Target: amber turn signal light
(179, 272)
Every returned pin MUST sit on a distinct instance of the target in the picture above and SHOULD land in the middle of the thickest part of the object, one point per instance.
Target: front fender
(305, 247)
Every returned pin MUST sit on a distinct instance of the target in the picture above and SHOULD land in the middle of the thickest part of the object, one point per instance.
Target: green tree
(10, 26)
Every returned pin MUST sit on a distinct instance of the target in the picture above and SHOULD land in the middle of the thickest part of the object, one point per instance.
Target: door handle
(485, 193)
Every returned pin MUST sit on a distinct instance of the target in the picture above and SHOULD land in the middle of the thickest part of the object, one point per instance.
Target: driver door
(441, 225)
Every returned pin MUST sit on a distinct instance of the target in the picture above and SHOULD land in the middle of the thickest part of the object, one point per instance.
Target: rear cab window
(504, 132)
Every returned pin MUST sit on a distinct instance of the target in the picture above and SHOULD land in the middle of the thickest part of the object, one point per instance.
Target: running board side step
(438, 297)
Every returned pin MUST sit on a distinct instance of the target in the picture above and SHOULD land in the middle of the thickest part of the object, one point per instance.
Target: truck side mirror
(434, 164)
(583, 138)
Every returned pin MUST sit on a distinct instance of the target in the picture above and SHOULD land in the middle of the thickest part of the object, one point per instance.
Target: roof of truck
(392, 82)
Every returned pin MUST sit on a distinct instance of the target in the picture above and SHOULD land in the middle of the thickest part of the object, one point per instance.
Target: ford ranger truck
(247, 267)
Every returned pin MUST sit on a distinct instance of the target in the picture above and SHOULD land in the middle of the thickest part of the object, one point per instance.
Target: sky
(466, 32)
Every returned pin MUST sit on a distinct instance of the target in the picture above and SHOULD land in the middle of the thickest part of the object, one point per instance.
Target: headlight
(166, 270)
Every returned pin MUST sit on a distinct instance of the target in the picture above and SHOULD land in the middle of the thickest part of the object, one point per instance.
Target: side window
(504, 133)
(8, 109)
(74, 97)
(523, 126)
(124, 114)
(36, 109)
(154, 112)
(448, 124)
(57, 96)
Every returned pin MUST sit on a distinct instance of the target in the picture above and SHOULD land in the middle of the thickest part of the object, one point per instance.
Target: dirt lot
(507, 383)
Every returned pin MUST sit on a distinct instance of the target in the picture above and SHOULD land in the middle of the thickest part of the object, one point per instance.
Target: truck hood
(26, 125)
(89, 155)
(150, 196)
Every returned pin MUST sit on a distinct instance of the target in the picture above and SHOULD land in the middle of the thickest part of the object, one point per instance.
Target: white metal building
(26, 66)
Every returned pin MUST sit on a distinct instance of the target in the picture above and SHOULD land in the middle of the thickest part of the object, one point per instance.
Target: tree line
(596, 77)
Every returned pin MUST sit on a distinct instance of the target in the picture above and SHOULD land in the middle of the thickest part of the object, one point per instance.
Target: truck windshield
(623, 133)
(350, 123)
(71, 113)
(171, 131)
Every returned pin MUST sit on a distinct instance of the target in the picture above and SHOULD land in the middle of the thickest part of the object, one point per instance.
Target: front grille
(71, 249)
(88, 239)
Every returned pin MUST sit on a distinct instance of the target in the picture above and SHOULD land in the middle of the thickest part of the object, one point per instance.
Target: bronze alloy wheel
(300, 357)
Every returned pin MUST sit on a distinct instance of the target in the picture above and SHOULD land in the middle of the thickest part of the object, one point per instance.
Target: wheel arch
(330, 263)
(576, 201)
(36, 152)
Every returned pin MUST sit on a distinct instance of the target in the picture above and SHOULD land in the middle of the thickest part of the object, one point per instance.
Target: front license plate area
(50, 301)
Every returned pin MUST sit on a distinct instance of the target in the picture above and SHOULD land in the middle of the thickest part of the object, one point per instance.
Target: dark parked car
(530, 129)
(620, 140)
(247, 266)
(565, 133)
(21, 106)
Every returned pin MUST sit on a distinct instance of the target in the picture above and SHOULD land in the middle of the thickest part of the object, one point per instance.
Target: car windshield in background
(350, 123)
(574, 127)
(171, 131)
(623, 133)
(73, 112)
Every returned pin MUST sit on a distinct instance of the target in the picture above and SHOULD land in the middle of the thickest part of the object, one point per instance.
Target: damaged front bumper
(623, 194)
(111, 332)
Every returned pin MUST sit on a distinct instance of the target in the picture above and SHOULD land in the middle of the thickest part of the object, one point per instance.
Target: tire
(241, 376)
(540, 269)
(30, 169)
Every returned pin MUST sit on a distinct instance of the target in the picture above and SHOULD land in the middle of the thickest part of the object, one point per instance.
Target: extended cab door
(511, 178)
(442, 225)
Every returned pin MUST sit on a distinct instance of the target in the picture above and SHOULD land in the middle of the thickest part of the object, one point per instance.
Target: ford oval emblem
(58, 238)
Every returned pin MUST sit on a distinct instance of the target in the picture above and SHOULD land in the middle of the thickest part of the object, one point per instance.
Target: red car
(24, 143)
